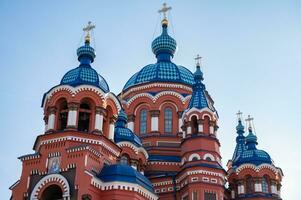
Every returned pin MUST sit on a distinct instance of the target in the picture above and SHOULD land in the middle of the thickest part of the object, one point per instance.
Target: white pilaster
(98, 121)
(111, 131)
(201, 128)
(131, 126)
(72, 115)
(51, 120)
(232, 194)
(211, 129)
(274, 189)
(258, 187)
(154, 123)
(188, 130)
(180, 125)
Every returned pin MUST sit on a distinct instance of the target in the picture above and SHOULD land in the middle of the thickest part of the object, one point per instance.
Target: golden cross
(198, 60)
(164, 10)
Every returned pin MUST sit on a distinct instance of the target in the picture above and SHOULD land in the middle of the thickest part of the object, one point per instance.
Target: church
(156, 139)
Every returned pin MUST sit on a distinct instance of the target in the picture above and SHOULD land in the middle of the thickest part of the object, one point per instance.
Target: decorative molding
(255, 168)
(135, 148)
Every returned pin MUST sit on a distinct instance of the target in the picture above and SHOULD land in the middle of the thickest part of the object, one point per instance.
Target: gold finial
(87, 29)
(164, 10)
(198, 60)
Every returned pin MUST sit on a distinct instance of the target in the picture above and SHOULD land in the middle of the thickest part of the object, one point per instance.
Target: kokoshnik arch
(157, 140)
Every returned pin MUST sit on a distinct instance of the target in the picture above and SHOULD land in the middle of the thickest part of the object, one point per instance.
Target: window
(143, 121)
(168, 120)
(84, 117)
(124, 160)
(195, 195)
(265, 185)
(194, 125)
(249, 185)
(210, 196)
(63, 115)
(194, 159)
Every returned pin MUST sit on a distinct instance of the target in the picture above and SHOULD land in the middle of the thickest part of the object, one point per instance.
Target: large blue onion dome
(164, 70)
(251, 154)
(122, 133)
(124, 173)
(84, 73)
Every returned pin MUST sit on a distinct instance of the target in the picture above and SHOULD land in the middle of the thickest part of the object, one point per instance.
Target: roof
(164, 70)
(124, 173)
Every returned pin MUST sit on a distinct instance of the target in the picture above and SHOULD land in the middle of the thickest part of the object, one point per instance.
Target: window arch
(62, 115)
(143, 121)
(168, 120)
(84, 117)
(265, 185)
(249, 185)
(209, 157)
(194, 125)
(194, 157)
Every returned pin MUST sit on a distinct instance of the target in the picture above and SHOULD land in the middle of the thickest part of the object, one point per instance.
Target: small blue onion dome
(122, 133)
(84, 74)
(124, 173)
(251, 140)
(164, 44)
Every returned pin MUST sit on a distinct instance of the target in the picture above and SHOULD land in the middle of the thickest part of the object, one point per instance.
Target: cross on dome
(198, 60)
(87, 29)
(249, 120)
(239, 115)
(164, 10)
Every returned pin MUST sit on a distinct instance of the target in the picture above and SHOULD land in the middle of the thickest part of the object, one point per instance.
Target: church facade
(157, 139)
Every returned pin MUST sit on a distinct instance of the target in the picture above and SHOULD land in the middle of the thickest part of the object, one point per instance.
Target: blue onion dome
(164, 70)
(124, 173)
(84, 74)
(252, 155)
(122, 133)
(164, 44)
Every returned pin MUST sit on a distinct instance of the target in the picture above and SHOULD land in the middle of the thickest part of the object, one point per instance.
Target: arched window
(84, 117)
(194, 159)
(143, 121)
(206, 124)
(168, 120)
(249, 185)
(124, 160)
(63, 115)
(265, 185)
(194, 125)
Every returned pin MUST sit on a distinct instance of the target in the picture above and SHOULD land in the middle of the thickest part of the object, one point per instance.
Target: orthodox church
(157, 139)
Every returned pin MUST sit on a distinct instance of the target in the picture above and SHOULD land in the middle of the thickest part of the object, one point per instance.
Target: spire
(251, 139)
(199, 99)
(240, 139)
(164, 46)
(86, 53)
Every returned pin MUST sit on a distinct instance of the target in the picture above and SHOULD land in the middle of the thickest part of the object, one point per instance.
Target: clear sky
(251, 61)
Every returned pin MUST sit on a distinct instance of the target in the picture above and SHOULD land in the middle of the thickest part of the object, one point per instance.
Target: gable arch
(194, 155)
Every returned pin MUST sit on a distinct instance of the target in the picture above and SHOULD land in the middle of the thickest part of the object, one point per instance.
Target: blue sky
(251, 61)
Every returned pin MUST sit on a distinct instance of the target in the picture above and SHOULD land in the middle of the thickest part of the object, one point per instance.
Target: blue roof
(250, 154)
(122, 133)
(164, 158)
(240, 140)
(199, 98)
(124, 173)
(164, 70)
(84, 73)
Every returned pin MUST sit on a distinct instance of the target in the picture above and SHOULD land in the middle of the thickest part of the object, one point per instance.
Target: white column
(112, 128)
(180, 122)
(51, 118)
(258, 187)
(98, 119)
(232, 194)
(72, 115)
(188, 130)
(273, 189)
(211, 129)
(131, 126)
(201, 128)
(155, 120)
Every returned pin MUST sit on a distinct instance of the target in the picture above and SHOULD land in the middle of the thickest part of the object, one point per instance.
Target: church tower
(78, 157)
(251, 172)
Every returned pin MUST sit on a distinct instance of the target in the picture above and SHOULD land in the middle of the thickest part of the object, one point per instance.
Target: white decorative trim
(136, 149)
(112, 96)
(29, 157)
(187, 113)
(80, 139)
(157, 96)
(114, 185)
(57, 178)
(81, 148)
(257, 168)
(193, 156)
(208, 155)
(163, 163)
(156, 85)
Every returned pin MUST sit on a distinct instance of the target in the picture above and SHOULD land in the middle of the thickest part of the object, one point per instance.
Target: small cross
(239, 115)
(249, 120)
(164, 10)
(89, 27)
(198, 60)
